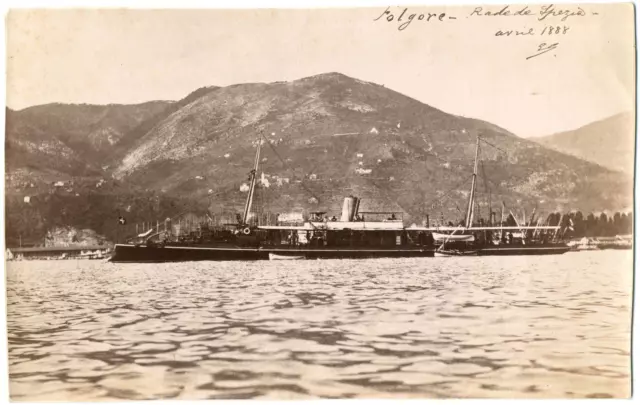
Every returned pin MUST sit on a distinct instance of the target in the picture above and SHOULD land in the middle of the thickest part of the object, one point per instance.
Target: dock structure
(59, 252)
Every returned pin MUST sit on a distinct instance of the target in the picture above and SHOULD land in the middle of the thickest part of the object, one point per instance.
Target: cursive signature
(544, 48)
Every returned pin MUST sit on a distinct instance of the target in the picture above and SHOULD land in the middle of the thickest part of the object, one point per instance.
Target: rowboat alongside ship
(454, 252)
(274, 256)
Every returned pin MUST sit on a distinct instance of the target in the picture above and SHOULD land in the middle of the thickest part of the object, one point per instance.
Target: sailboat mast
(490, 209)
(469, 219)
(252, 186)
(501, 220)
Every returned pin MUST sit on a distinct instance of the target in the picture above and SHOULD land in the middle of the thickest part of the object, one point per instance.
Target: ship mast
(252, 178)
(469, 219)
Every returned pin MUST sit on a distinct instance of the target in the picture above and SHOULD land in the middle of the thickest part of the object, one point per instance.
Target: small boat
(273, 256)
(445, 237)
(454, 252)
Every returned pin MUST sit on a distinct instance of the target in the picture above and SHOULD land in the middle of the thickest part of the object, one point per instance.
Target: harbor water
(466, 327)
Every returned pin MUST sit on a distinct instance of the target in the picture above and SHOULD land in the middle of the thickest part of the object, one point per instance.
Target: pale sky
(456, 65)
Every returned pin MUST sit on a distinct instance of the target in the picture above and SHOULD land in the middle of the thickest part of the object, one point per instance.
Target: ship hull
(505, 251)
(523, 250)
(153, 254)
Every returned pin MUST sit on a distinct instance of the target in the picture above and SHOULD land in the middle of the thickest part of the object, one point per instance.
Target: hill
(70, 139)
(129, 138)
(333, 135)
(609, 142)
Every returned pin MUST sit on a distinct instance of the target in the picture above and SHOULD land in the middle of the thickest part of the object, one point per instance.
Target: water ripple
(553, 327)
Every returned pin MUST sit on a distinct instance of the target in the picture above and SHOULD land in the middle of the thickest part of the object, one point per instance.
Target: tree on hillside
(629, 224)
(590, 225)
(579, 224)
(601, 225)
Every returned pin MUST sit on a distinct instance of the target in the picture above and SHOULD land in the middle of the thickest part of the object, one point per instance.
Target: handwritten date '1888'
(549, 30)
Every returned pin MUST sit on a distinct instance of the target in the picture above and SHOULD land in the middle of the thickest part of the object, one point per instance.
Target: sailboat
(382, 234)
(469, 240)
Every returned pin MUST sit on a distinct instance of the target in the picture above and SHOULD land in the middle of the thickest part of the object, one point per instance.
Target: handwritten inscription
(505, 12)
(548, 21)
(404, 21)
(543, 13)
(548, 30)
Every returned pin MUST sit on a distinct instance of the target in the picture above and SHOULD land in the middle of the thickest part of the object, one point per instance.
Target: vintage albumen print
(405, 202)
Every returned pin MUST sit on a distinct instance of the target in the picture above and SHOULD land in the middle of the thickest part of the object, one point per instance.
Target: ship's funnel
(349, 209)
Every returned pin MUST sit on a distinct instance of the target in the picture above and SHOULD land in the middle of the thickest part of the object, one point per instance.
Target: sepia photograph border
(290, 4)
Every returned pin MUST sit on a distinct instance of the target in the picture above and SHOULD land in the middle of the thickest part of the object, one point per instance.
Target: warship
(354, 235)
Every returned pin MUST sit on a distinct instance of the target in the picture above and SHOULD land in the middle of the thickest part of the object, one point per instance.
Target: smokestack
(345, 210)
(348, 209)
(357, 208)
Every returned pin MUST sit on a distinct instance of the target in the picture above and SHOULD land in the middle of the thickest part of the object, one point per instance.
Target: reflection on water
(442, 327)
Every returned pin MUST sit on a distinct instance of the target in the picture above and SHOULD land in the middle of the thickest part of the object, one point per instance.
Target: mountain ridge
(609, 142)
(212, 138)
(66, 137)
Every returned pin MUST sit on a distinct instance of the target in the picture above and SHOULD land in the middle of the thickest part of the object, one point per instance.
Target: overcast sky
(457, 65)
